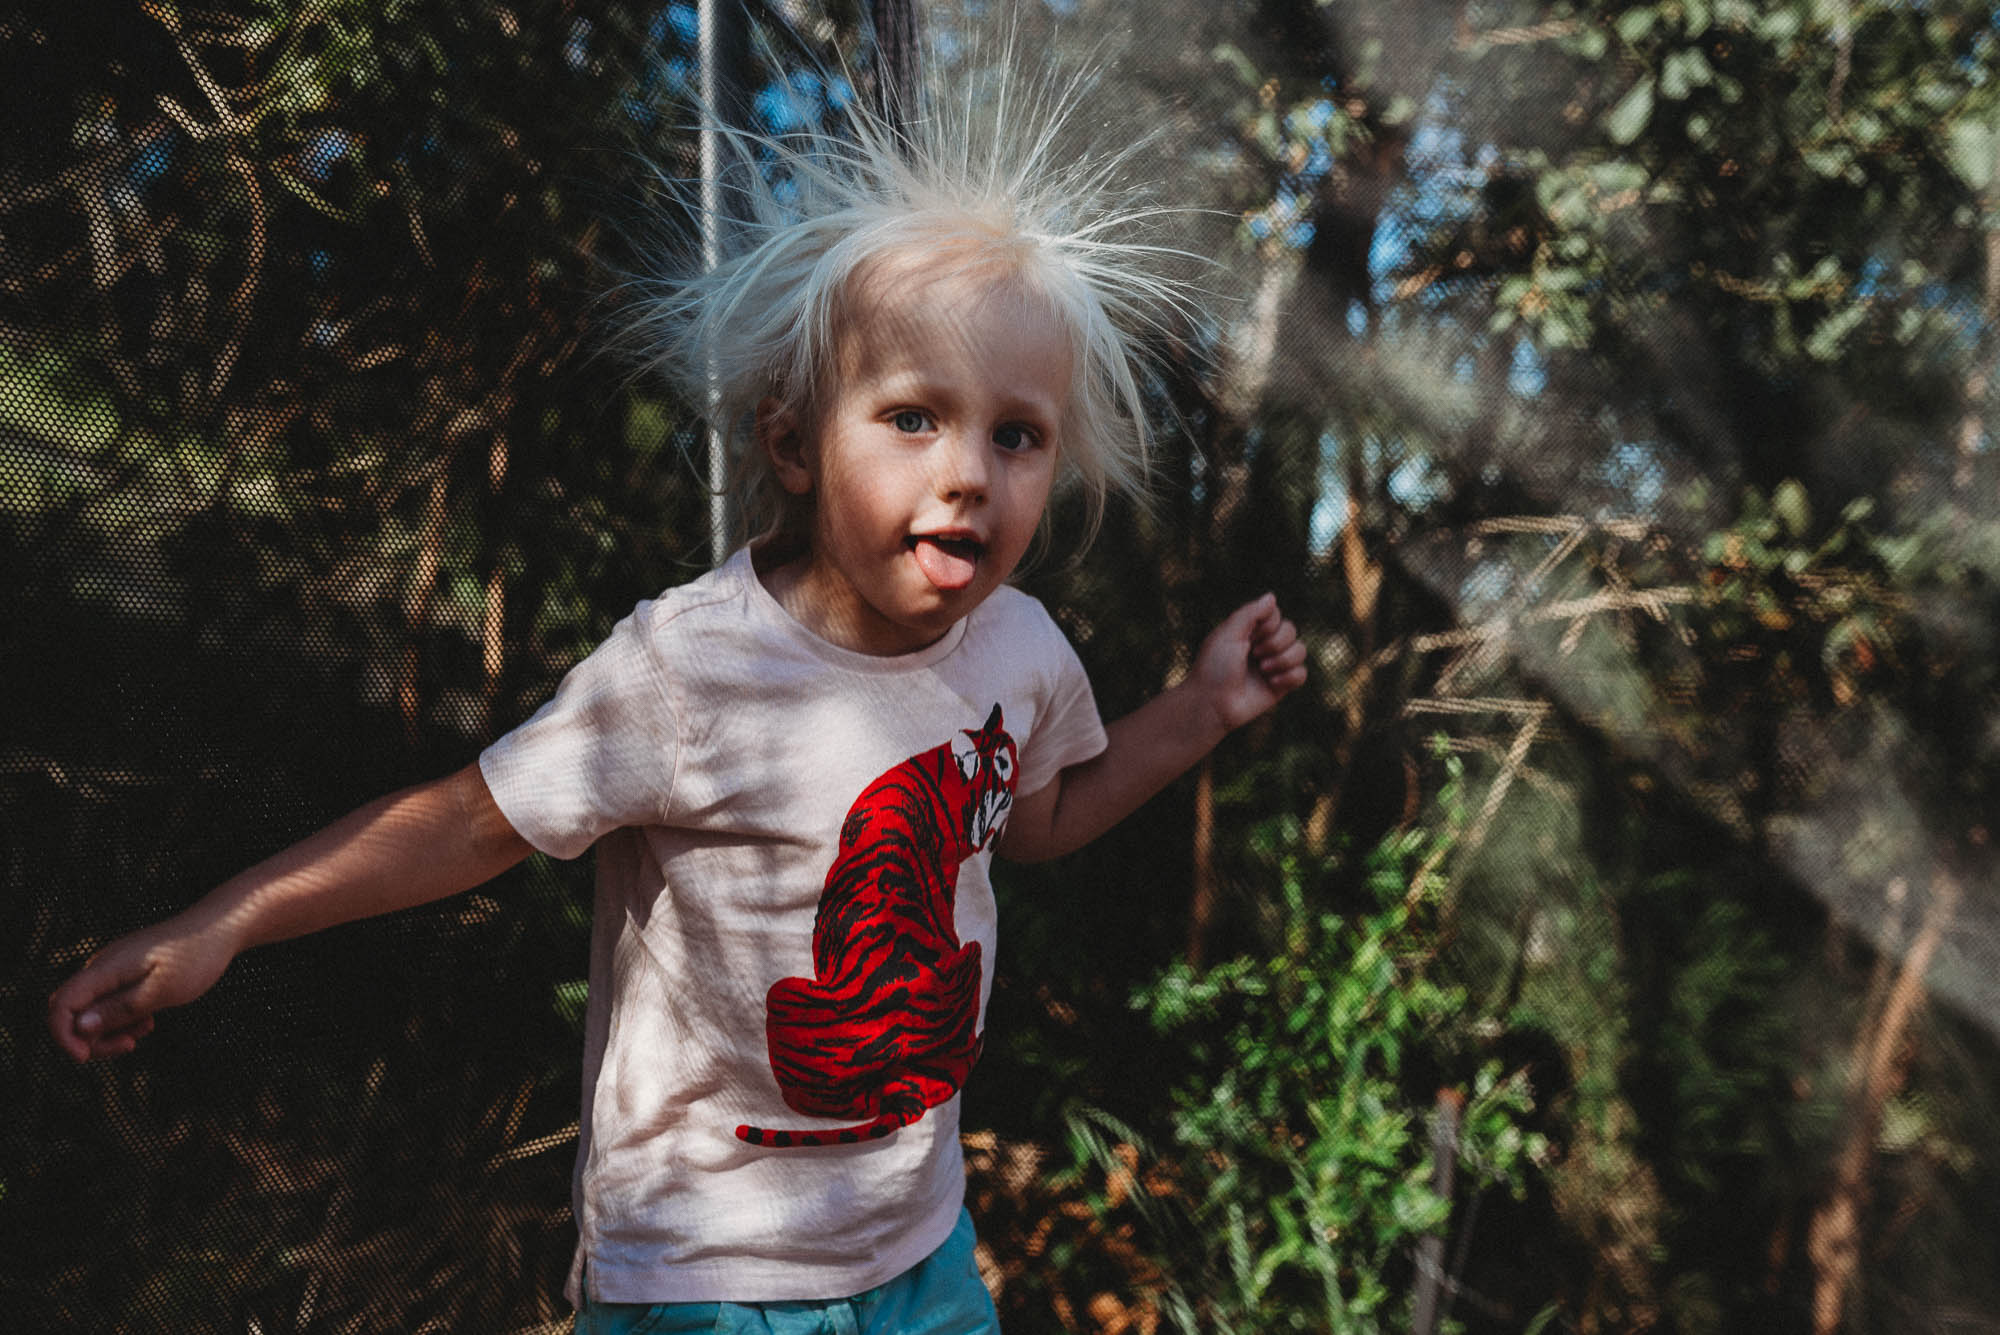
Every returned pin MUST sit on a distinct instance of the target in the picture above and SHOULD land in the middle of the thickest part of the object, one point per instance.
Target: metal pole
(723, 36)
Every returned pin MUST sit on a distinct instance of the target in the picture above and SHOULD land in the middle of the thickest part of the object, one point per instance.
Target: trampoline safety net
(1604, 939)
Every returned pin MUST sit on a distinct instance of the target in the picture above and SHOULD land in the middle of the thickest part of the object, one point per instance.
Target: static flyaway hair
(983, 173)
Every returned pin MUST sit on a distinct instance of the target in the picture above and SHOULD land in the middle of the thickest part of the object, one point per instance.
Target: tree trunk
(1972, 424)
(1880, 1064)
(493, 622)
(1201, 914)
(423, 583)
(1425, 1308)
(1363, 575)
(898, 63)
(1242, 388)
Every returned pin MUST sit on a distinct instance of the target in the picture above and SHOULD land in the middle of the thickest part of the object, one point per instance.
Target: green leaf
(1972, 147)
(1628, 119)
(1542, 1319)
(1867, 128)
(1823, 274)
(571, 998)
(1935, 94)
(1417, 1209)
(1231, 55)
(1897, 553)
(1561, 278)
(1832, 332)
(1684, 70)
(1617, 177)
(1829, 160)
(1911, 321)
(1562, 199)
(1793, 508)
(1634, 24)
(1780, 23)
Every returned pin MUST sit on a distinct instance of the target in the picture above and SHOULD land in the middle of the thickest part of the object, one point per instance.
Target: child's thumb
(1252, 612)
(106, 1016)
(119, 1001)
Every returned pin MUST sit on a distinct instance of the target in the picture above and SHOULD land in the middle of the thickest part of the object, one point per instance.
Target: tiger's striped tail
(840, 1135)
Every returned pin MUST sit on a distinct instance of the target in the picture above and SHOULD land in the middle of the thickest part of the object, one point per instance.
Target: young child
(797, 768)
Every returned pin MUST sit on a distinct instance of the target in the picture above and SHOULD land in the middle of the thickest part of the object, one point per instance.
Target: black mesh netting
(1604, 940)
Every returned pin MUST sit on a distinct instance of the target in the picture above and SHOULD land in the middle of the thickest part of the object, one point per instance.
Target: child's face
(929, 461)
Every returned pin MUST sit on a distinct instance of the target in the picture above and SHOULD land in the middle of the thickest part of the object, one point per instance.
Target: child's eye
(1014, 436)
(910, 422)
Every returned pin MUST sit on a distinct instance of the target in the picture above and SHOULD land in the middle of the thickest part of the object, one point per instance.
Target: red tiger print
(883, 1030)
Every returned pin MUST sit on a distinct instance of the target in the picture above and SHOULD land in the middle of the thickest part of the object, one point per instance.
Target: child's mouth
(948, 563)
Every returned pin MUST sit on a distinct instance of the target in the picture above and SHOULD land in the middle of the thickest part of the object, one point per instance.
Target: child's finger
(118, 1011)
(109, 1028)
(94, 1005)
(65, 1006)
(67, 1038)
(122, 1042)
(1288, 680)
(1284, 671)
(100, 1045)
(1275, 638)
(1283, 660)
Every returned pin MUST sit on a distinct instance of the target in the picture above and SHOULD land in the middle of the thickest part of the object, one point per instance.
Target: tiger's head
(985, 758)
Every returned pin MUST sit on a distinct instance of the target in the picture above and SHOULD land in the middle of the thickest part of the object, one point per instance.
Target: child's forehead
(956, 279)
(943, 315)
(928, 291)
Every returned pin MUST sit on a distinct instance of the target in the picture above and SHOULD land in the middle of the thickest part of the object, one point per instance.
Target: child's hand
(1246, 665)
(108, 1006)
(1250, 662)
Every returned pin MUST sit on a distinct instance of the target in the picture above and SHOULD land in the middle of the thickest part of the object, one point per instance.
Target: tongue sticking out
(948, 563)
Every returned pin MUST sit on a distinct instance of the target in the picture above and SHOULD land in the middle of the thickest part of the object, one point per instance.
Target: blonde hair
(986, 177)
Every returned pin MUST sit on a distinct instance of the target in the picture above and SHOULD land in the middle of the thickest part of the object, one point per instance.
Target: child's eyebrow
(914, 386)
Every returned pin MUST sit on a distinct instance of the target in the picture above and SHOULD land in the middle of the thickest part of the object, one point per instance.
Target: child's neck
(816, 596)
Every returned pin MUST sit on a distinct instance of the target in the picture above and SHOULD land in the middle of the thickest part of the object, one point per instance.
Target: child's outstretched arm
(407, 848)
(1246, 665)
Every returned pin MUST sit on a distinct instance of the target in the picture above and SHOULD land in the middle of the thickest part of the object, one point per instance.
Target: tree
(1624, 411)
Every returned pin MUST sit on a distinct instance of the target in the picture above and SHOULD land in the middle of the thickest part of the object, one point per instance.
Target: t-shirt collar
(770, 610)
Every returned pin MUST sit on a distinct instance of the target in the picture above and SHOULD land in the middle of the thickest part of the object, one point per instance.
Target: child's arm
(1245, 666)
(407, 848)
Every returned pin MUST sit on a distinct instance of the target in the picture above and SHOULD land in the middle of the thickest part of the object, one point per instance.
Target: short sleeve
(1069, 731)
(599, 755)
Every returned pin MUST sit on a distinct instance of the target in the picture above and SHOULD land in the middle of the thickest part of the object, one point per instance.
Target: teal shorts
(940, 1295)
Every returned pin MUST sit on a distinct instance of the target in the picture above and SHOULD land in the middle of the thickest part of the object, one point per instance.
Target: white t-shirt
(714, 749)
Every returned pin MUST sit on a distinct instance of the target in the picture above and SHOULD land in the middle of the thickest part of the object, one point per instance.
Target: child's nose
(963, 467)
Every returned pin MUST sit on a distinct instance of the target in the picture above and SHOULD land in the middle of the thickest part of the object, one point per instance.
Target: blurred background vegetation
(1606, 940)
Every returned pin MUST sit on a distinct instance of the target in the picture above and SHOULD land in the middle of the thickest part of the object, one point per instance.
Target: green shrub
(1301, 1168)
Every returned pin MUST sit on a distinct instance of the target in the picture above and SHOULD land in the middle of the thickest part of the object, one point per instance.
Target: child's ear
(784, 444)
